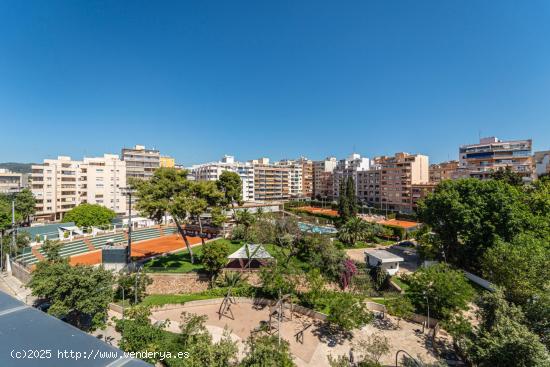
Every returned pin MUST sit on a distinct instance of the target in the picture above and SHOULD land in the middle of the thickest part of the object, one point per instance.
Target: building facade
(271, 181)
(61, 184)
(444, 171)
(322, 177)
(167, 162)
(542, 163)
(346, 168)
(397, 177)
(213, 170)
(492, 154)
(10, 181)
(140, 162)
(307, 177)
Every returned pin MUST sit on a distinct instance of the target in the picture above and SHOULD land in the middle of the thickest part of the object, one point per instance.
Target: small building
(385, 259)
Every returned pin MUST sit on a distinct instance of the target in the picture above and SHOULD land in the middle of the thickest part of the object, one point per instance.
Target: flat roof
(24, 328)
(384, 256)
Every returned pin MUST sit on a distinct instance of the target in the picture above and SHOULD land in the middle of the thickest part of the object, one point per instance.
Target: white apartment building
(322, 177)
(542, 163)
(10, 181)
(61, 184)
(492, 154)
(348, 167)
(295, 177)
(213, 170)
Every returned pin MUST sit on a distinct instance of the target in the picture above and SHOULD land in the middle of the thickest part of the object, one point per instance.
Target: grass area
(163, 299)
(401, 283)
(180, 262)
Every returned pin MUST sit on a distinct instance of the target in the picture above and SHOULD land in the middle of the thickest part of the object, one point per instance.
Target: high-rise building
(444, 171)
(140, 162)
(346, 168)
(307, 177)
(61, 184)
(397, 177)
(213, 170)
(542, 163)
(295, 177)
(492, 154)
(167, 162)
(322, 177)
(271, 181)
(10, 181)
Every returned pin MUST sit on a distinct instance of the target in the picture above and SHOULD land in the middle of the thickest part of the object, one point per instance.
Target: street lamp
(128, 191)
(14, 192)
(428, 304)
(408, 355)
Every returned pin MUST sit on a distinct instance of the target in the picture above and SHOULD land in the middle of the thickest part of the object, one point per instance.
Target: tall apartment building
(271, 181)
(491, 154)
(368, 186)
(167, 162)
(307, 177)
(212, 171)
(140, 162)
(322, 177)
(348, 167)
(10, 181)
(61, 184)
(398, 174)
(444, 171)
(295, 177)
(542, 163)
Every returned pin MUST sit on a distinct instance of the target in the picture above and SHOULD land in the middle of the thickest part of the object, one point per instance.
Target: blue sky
(198, 79)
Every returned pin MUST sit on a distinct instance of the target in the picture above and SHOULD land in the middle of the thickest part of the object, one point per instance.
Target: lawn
(180, 262)
(163, 299)
(402, 284)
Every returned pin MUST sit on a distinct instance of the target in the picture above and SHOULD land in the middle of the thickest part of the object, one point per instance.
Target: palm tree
(357, 229)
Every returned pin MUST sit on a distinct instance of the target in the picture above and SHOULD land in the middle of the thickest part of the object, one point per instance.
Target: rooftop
(383, 255)
(23, 327)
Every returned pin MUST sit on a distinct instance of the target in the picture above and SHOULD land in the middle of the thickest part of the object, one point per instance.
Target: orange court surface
(312, 210)
(143, 249)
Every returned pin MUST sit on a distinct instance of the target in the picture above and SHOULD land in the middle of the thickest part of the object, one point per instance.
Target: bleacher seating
(79, 246)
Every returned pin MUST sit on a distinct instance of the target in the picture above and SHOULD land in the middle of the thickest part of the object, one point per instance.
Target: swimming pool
(311, 228)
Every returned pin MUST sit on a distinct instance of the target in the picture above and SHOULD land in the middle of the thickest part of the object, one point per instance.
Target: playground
(310, 344)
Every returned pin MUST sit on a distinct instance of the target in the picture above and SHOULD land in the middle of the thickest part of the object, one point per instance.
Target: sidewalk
(15, 288)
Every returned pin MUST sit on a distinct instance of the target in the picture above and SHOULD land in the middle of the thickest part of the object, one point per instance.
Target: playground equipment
(225, 306)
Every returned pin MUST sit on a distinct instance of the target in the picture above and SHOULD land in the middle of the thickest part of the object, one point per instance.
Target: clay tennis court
(140, 250)
(312, 210)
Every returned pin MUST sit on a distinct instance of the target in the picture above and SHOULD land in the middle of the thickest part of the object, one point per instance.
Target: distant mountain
(17, 167)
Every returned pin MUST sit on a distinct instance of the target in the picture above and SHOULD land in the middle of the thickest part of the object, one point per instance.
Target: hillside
(17, 167)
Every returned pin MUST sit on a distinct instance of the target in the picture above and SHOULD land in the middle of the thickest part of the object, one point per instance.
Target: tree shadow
(330, 334)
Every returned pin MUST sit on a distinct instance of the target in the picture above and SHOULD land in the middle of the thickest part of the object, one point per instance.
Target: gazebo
(256, 254)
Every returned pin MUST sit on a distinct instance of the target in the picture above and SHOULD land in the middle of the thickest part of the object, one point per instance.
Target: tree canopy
(90, 215)
(81, 294)
(347, 201)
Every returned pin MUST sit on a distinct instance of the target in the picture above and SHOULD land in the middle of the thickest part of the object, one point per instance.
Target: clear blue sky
(198, 79)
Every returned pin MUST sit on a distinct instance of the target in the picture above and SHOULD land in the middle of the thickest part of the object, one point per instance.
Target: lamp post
(408, 355)
(428, 304)
(128, 191)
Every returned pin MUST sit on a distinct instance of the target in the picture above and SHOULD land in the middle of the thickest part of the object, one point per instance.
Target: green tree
(90, 215)
(231, 186)
(537, 315)
(278, 279)
(79, 293)
(348, 312)
(25, 204)
(447, 291)
(400, 307)
(470, 216)
(357, 229)
(347, 201)
(521, 267)
(320, 252)
(501, 339)
(266, 351)
(351, 198)
(51, 250)
(134, 286)
(169, 191)
(214, 257)
(508, 176)
(138, 335)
